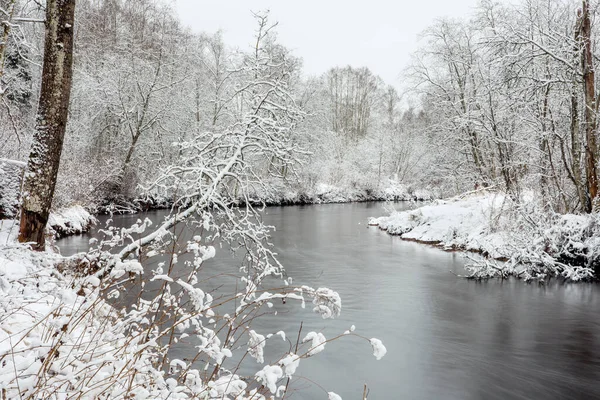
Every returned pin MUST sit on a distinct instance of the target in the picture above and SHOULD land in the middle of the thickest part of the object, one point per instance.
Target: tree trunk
(590, 109)
(44, 159)
(575, 167)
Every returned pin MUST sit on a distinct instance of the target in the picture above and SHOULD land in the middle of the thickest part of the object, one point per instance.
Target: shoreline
(530, 243)
(440, 246)
(135, 206)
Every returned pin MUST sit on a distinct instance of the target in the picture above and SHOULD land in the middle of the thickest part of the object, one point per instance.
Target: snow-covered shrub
(90, 337)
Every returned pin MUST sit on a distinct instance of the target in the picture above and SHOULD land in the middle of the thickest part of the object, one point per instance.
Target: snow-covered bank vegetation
(531, 243)
(322, 194)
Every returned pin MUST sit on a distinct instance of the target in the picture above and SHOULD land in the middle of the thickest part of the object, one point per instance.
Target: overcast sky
(379, 34)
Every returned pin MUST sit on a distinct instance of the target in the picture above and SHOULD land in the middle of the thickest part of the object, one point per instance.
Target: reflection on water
(447, 338)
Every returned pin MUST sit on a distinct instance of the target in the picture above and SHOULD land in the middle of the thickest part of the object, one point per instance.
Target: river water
(447, 337)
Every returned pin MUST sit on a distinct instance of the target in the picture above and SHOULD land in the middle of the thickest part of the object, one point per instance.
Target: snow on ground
(459, 223)
(535, 243)
(71, 220)
(9, 230)
(59, 339)
(53, 336)
(35, 303)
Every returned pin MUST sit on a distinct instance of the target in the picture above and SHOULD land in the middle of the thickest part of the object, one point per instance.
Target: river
(447, 337)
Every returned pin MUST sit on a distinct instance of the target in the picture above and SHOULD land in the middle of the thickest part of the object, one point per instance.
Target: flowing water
(447, 337)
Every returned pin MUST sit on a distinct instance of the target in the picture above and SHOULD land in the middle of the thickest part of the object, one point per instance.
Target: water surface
(447, 337)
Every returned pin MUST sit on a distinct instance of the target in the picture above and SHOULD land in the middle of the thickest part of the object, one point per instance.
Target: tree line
(142, 81)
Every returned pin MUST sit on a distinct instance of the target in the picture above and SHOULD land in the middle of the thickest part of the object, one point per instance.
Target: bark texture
(44, 159)
(591, 148)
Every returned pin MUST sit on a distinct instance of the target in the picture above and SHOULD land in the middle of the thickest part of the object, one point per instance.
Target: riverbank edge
(79, 219)
(76, 220)
(441, 246)
(489, 224)
(66, 222)
(326, 195)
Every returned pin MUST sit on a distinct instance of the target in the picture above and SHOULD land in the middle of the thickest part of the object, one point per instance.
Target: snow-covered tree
(44, 159)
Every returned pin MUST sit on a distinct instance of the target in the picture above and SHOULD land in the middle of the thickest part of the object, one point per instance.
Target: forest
(142, 82)
(115, 107)
(505, 99)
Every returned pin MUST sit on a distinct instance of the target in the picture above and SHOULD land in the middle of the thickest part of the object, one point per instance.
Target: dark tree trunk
(590, 109)
(44, 159)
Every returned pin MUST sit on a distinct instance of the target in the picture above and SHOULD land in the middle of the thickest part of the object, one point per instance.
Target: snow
(72, 220)
(379, 349)
(37, 307)
(318, 342)
(12, 270)
(269, 376)
(197, 295)
(68, 221)
(289, 364)
(459, 223)
(77, 344)
(256, 346)
(277, 193)
(227, 385)
(10, 187)
(328, 303)
(535, 243)
(9, 231)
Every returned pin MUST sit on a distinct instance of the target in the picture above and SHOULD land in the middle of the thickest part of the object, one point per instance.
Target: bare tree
(352, 93)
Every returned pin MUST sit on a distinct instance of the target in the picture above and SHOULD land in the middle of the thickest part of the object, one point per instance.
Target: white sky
(379, 34)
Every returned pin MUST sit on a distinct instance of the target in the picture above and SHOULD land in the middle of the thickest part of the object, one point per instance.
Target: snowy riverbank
(534, 244)
(325, 193)
(277, 193)
(58, 336)
(68, 221)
